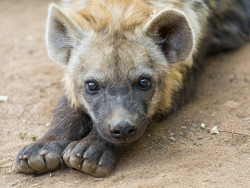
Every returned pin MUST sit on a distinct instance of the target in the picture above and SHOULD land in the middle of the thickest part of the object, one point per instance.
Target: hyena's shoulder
(214, 21)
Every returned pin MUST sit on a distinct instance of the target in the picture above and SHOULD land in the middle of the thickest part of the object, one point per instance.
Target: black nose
(122, 130)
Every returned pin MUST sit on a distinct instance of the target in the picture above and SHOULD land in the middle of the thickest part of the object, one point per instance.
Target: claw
(44, 152)
(78, 155)
(100, 163)
(25, 157)
(20, 157)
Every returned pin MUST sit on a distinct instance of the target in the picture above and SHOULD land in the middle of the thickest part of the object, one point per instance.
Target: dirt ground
(174, 153)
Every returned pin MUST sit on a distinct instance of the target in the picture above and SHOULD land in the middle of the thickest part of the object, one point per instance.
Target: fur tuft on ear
(63, 34)
(171, 30)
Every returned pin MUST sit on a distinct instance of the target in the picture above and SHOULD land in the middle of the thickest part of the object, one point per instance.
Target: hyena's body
(126, 63)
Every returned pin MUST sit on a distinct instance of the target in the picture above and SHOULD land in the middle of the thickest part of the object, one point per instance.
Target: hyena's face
(119, 77)
(116, 79)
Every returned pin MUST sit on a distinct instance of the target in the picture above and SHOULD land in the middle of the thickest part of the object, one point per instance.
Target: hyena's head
(117, 63)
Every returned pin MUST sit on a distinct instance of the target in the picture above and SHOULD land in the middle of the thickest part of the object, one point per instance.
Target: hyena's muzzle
(121, 116)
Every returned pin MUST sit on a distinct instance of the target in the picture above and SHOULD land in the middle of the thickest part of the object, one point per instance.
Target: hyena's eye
(144, 83)
(92, 87)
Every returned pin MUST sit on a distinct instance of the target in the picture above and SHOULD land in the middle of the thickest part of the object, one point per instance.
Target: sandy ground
(174, 153)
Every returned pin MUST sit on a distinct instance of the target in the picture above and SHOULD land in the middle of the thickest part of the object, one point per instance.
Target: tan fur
(70, 90)
(116, 16)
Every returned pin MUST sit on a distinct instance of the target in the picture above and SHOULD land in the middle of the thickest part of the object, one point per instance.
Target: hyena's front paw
(92, 158)
(40, 157)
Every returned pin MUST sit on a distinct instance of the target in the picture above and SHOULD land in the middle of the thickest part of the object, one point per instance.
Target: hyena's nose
(122, 130)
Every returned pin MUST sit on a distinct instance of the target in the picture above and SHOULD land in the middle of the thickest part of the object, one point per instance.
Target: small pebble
(203, 125)
(214, 130)
(172, 139)
(3, 98)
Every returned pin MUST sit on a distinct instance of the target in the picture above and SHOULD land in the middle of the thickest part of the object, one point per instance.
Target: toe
(101, 171)
(88, 167)
(66, 158)
(76, 161)
(52, 161)
(105, 165)
(36, 162)
(73, 155)
(23, 166)
(91, 159)
(73, 160)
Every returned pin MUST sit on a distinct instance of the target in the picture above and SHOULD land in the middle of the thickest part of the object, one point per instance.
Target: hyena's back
(229, 23)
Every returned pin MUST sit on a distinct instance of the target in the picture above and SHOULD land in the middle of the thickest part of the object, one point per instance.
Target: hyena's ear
(171, 30)
(63, 34)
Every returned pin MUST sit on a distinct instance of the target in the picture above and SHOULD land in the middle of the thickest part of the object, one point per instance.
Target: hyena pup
(127, 63)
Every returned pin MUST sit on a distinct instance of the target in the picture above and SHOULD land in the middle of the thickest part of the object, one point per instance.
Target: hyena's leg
(91, 155)
(45, 155)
